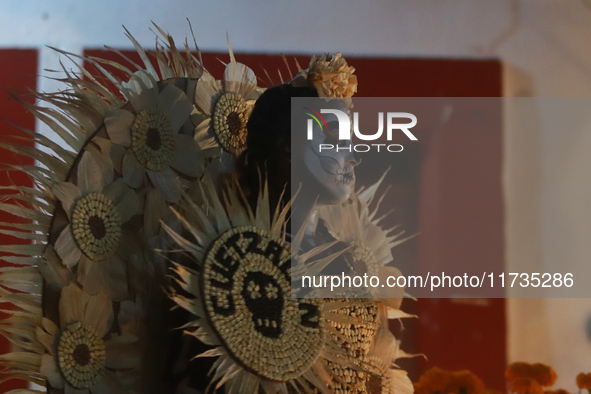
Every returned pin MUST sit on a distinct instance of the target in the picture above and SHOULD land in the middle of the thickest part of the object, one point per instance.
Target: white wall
(545, 44)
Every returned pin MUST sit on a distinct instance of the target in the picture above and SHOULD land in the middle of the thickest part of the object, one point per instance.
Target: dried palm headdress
(126, 221)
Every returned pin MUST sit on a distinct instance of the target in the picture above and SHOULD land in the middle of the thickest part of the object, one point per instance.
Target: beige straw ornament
(90, 312)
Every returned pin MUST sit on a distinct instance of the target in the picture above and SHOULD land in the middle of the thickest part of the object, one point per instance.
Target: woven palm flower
(80, 359)
(240, 297)
(151, 136)
(330, 78)
(351, 224)
(226, 105)
(93, 240)
(94, 244)
(383, 378)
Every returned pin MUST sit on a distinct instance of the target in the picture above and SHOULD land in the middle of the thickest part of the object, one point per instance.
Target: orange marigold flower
(419, 389)
(584, 381)
(464, 382)
(544, 374)
(525, 386)
(557, 391)
(435, 379)
(518, 370)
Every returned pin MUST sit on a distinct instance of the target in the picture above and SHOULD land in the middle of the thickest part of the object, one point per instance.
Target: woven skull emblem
(264, 299)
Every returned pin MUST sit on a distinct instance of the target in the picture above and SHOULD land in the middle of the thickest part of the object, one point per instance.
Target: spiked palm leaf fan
(223, 109)
(87, 289)
(237, 286)
(384, 376)
(83, 355)
(96, 202)
(357, 223)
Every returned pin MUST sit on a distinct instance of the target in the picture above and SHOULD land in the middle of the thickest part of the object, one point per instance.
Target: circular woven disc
(246, 288)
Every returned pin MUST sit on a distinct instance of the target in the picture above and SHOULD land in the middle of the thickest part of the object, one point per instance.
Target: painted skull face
(333, 167)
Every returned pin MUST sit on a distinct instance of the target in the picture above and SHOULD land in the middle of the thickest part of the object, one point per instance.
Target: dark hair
(268, 153)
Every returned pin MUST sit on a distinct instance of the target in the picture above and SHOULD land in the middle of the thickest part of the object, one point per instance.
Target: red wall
(450, 173)
(18, 70)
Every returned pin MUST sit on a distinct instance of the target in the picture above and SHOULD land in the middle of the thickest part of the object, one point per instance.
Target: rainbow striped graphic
(315, 116)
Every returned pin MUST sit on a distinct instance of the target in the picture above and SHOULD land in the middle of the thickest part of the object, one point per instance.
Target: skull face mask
(333, 167)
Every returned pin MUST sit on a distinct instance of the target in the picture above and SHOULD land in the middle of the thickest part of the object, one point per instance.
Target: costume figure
(177, 197)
